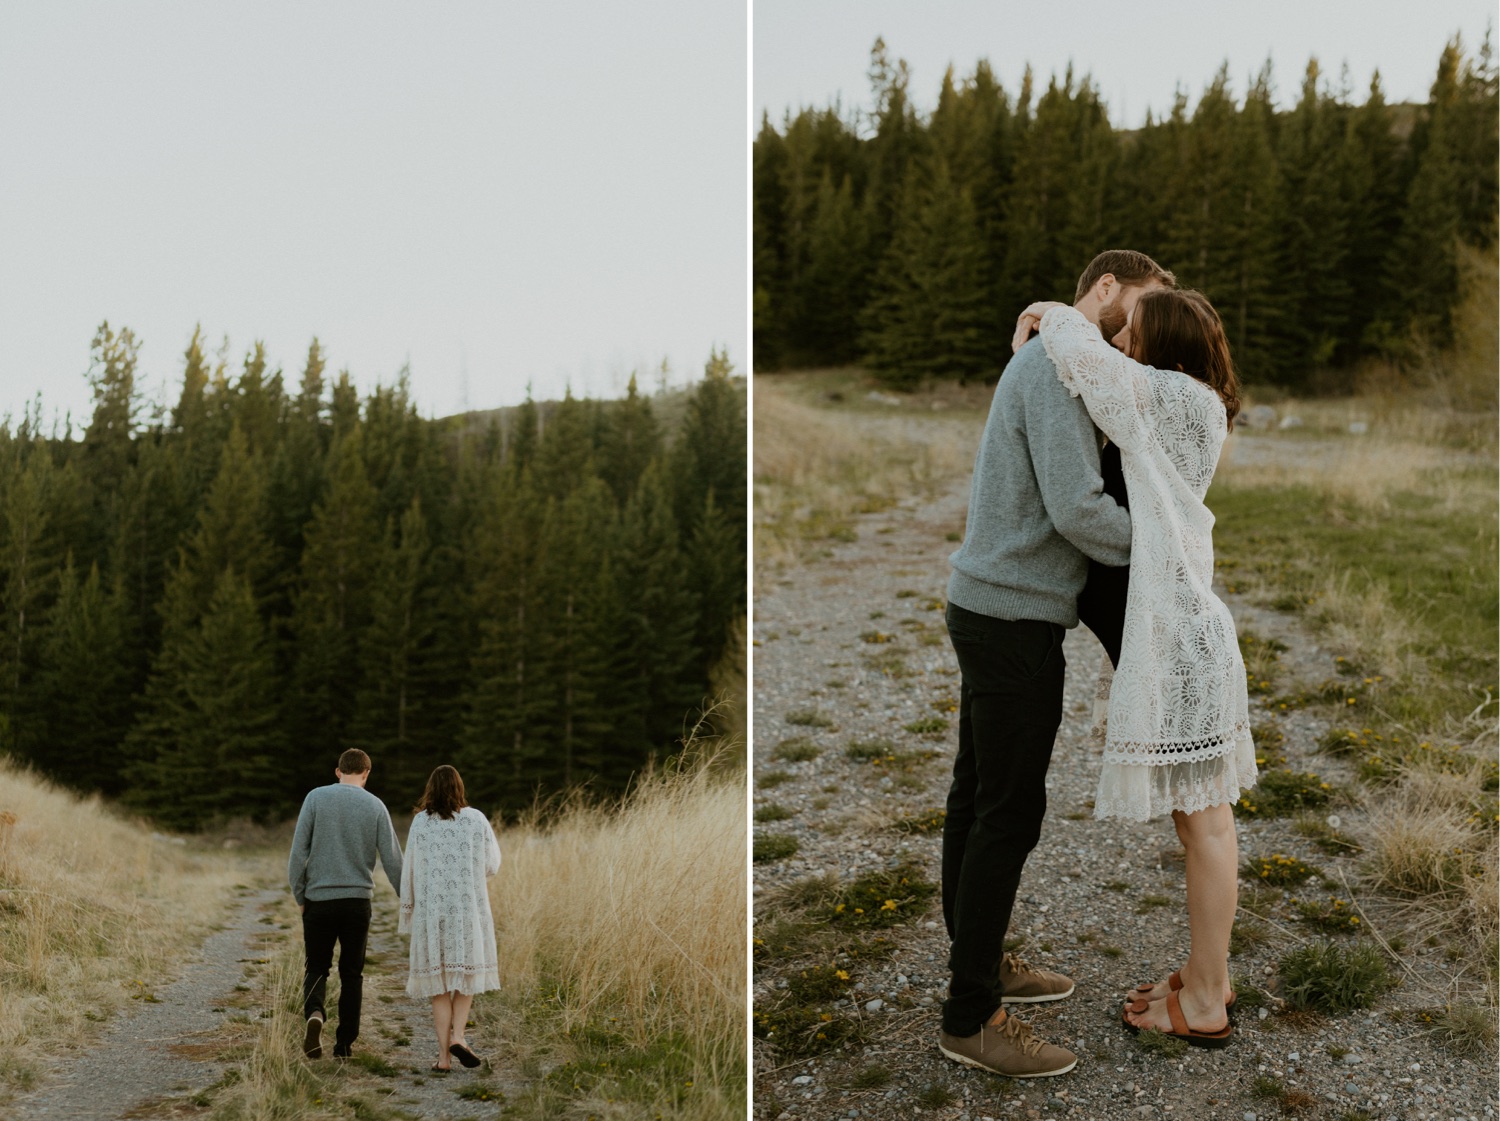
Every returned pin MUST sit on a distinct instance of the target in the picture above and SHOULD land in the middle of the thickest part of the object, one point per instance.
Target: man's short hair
(354, 762)
(1128, 267)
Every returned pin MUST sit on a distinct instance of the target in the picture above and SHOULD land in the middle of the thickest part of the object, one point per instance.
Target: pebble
(1249, 1117)
(1294, 1056)
(1350, 1088)
(802, 1080)
(1352, 1059)
(874, 1005)
(1056, 1103)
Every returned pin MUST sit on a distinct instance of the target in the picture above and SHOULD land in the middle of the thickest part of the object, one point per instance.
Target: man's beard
(1112, 319)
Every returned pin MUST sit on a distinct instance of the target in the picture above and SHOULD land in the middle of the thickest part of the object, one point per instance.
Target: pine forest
(201, 606)
(1325, 233)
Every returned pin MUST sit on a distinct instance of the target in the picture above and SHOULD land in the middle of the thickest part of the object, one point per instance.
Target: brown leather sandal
(1180, 1029)
(1174, 983)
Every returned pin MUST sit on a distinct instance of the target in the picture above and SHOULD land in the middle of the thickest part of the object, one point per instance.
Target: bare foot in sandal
(1207, 1017)
(1151, 993)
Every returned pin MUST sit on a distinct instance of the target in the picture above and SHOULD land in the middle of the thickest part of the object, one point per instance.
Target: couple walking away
(1056, 533)
(445, 907)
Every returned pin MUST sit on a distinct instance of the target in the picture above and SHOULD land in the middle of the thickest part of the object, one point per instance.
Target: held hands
(1030, 321)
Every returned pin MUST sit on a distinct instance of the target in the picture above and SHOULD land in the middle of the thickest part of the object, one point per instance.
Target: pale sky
(499, 193)
(812, 52)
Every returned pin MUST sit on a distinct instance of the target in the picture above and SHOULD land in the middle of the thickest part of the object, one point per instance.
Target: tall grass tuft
(630, 919)
(92, 907)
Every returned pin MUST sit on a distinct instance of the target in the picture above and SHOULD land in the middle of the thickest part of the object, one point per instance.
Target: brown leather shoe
(1023, 984)
(1009, 1049)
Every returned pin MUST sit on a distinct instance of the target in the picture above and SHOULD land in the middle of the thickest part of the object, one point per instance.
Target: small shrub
(1324, 833)
(809, 718)
(1159, 1044)
(932, 725)
(932, 821)
(818, 983)
(870, 1078)
(906, 593)
(1282, 792)
(889, 663)
(1465, 1029)
(880, 899)
(1277, 870)
(863, 751)
(1269, 740)
(798, 749)
(876, 638)
(1336, 914)
(935, 1095)
(772, 811)
(1245, 935)
(1328, 977)
(773, 846)
(772, 779)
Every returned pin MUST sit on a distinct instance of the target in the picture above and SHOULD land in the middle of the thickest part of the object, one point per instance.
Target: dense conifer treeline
(199, 612)
(1322, 234)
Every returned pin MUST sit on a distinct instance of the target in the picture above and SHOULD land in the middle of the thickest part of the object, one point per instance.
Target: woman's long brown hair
(1178, 329)
(444, 795)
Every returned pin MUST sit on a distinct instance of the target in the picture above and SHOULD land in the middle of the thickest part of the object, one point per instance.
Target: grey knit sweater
(341, 831)
(1037, 507)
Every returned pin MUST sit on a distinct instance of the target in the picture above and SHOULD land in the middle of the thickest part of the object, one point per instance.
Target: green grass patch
(865, 751)
(1279, 793)
(931, 726)
(1328, 977)
(879, 899)
(1333, 914)
(1160, 1045)
(931, 821)
(374, 1064)
(808, 718)
(772, 811)
(1433, 562)
(773, 846)
(770, 780)
(798, 749)
(1277, 870)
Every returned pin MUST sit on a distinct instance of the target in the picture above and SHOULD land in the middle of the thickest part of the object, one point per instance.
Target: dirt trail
(151, 1054)
(852, 647)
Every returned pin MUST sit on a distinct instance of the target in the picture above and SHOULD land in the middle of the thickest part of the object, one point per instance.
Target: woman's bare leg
(442, 1022)
(1212, 858)
(461, 1003)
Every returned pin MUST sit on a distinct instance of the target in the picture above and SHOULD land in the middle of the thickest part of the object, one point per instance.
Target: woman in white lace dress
(445, 907)
(1177, 734)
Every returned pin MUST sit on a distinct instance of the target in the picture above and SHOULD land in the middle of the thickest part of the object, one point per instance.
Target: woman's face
(1124, 340)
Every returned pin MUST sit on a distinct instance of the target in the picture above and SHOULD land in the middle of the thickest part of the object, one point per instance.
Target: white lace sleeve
(492, 850)
(1115, 390)
(408, 871)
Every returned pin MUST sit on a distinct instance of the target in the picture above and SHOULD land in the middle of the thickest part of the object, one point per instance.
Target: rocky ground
(850, 648)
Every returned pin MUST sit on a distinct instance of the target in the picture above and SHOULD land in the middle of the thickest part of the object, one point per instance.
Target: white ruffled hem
(469, 980)
(1141, 791)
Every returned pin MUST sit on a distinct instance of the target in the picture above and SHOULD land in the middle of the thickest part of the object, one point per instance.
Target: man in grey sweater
(1038, 513)
(341, 831)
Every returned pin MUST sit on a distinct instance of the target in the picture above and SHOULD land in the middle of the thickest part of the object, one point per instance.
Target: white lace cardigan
(1177, 735)
(445, 904)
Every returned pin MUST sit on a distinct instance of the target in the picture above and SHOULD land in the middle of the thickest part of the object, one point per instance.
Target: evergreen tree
(391, 720)
(331, 603)
(84, 684)
(929, 316)
(630, 441)
(218, 746)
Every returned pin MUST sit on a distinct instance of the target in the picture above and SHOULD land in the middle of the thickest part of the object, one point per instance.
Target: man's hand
(302, 908)
(1029, 322)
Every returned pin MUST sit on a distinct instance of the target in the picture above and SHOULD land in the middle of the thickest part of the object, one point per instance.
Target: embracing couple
(1049, 538)
(342, 831)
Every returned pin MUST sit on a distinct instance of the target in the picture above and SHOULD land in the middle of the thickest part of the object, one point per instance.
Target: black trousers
(346, 922)
(1009, 710)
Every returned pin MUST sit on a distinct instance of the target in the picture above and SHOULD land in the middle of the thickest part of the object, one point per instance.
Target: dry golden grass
(92, 906)
(640, 907)
(818, 465)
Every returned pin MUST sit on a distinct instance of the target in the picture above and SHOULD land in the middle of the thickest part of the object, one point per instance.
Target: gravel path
(1084, 905)
(151, 1054)
(399, 1030)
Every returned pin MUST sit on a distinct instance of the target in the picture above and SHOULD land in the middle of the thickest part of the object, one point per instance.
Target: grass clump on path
(1328, 977)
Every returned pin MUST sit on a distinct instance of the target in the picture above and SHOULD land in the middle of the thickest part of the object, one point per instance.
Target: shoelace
(1021, 1036)
(1019, 966)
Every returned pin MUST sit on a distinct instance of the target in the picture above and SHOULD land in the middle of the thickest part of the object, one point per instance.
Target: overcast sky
(548, 192)
(811, 52)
